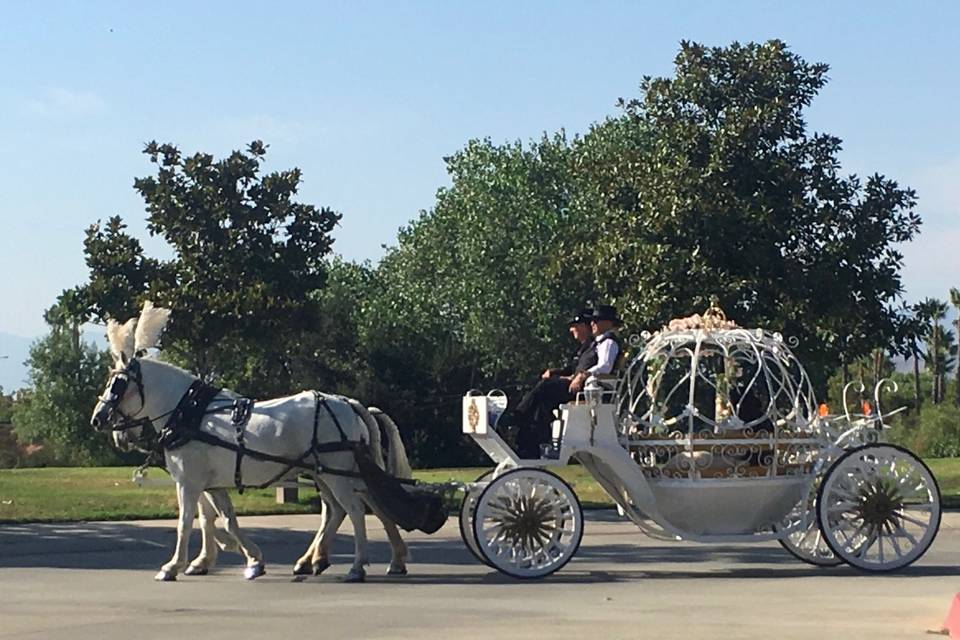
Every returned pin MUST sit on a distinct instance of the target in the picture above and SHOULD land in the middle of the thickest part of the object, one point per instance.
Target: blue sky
(368, 97)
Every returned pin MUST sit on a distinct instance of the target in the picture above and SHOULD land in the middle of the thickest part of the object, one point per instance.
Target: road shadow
(118, 545)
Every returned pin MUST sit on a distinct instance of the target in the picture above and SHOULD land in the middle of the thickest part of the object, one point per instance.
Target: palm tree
(955, 301)
(947, 358)
(933, 311)
(913, 328)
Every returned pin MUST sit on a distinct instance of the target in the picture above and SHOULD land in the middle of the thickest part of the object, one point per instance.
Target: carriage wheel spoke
(911, 519)
(893, 540)
(906, 534)
(862, 551)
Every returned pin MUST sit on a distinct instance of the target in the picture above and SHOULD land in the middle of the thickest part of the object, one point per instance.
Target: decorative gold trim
(473, 416)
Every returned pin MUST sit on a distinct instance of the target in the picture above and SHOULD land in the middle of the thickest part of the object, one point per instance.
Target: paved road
(94, 581)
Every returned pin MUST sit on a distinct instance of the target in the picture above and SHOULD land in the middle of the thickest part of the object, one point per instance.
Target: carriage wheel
(808, 543)
(467, 508)
(879, 507)
(528, 523)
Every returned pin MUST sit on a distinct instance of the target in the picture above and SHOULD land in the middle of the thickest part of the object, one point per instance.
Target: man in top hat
(596, 356)
(533, 414)
(582, 357)
(603, 323)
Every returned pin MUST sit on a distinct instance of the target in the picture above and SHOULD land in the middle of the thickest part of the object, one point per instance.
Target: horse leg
(204, 562)
(187, 498)
(255, 567)
(302, 566)
(398, 548)
(224, 540)
(321, 553)
(345, 493)
(316, 559)
(254, 557)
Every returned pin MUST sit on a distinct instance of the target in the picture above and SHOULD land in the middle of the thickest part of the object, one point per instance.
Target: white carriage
(711, 434)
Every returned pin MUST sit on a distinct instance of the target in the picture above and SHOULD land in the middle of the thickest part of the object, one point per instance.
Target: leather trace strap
(185, 421)
(242, 409)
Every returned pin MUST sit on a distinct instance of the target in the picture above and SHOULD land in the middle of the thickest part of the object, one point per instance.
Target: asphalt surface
(94, 580)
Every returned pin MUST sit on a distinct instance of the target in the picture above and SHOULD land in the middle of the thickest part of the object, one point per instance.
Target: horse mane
(157, 358)
(150, 326)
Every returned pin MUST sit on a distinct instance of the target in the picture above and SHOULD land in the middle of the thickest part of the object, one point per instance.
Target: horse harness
(184, 425)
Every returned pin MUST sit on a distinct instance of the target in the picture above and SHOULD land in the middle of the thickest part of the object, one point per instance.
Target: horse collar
(185, 419)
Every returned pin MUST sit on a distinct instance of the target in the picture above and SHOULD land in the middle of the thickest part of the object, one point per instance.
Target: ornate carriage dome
(704, 376)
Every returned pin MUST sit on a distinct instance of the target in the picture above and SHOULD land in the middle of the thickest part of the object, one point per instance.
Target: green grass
(947, 473)
(106, 493)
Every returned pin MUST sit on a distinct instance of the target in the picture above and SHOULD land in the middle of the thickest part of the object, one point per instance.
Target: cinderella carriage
(711, 433)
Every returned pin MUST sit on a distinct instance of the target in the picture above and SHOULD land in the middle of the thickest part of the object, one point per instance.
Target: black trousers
(534, 415)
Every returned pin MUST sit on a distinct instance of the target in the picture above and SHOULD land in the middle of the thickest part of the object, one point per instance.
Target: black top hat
(582, 316)
(606, 312)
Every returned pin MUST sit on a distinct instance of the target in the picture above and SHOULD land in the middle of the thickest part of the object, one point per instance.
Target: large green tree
(66, 376)
(246, 259)
(476, 290)
(487, 268)
(709, 183)
(724, 191)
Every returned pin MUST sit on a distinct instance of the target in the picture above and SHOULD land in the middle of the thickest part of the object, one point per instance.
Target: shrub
(936, 434)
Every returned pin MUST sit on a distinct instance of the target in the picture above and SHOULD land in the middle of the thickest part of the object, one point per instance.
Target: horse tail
(397, 463)
(373, 429)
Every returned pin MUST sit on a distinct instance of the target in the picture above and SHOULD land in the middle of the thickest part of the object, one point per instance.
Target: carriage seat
(608, 382)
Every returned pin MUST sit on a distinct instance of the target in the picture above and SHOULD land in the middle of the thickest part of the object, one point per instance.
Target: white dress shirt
(607, 352)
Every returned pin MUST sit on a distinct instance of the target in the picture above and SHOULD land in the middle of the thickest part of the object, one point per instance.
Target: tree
(955, 301)
(246, 261)
(709, 183)
(476, 292)
(487, 270)
(329, 356)
(9, 453)
(933, 312)
(66, 376)
(912, 327)
(726, 193)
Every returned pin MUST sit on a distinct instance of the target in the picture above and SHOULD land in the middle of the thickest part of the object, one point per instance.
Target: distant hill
(13, 371)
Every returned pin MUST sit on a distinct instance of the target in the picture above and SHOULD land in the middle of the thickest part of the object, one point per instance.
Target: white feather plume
(150, 326)
(121, 338)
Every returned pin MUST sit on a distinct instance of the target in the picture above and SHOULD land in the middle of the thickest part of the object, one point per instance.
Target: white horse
(144, 392)
(315, 559)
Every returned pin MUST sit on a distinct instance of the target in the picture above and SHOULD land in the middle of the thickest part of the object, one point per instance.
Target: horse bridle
(117, 391)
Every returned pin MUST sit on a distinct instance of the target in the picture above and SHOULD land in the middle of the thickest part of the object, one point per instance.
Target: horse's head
(121, 407)
(121, 404)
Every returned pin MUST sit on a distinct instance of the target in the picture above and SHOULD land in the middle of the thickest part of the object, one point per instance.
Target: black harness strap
(185, 421)
(242, 409)
(322, 402)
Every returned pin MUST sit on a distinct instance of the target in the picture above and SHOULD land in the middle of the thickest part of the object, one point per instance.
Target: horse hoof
(356, 575)
(302, 569)
(397, 571)
(165, 576)
(320, 567)
(195, 570)
(254, 571)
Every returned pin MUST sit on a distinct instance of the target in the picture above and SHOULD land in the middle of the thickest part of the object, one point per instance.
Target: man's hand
(546, 374)
(576, 383)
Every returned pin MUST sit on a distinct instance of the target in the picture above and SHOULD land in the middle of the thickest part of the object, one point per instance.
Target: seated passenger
(579, 326)
(534, 414)
(603, 324)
